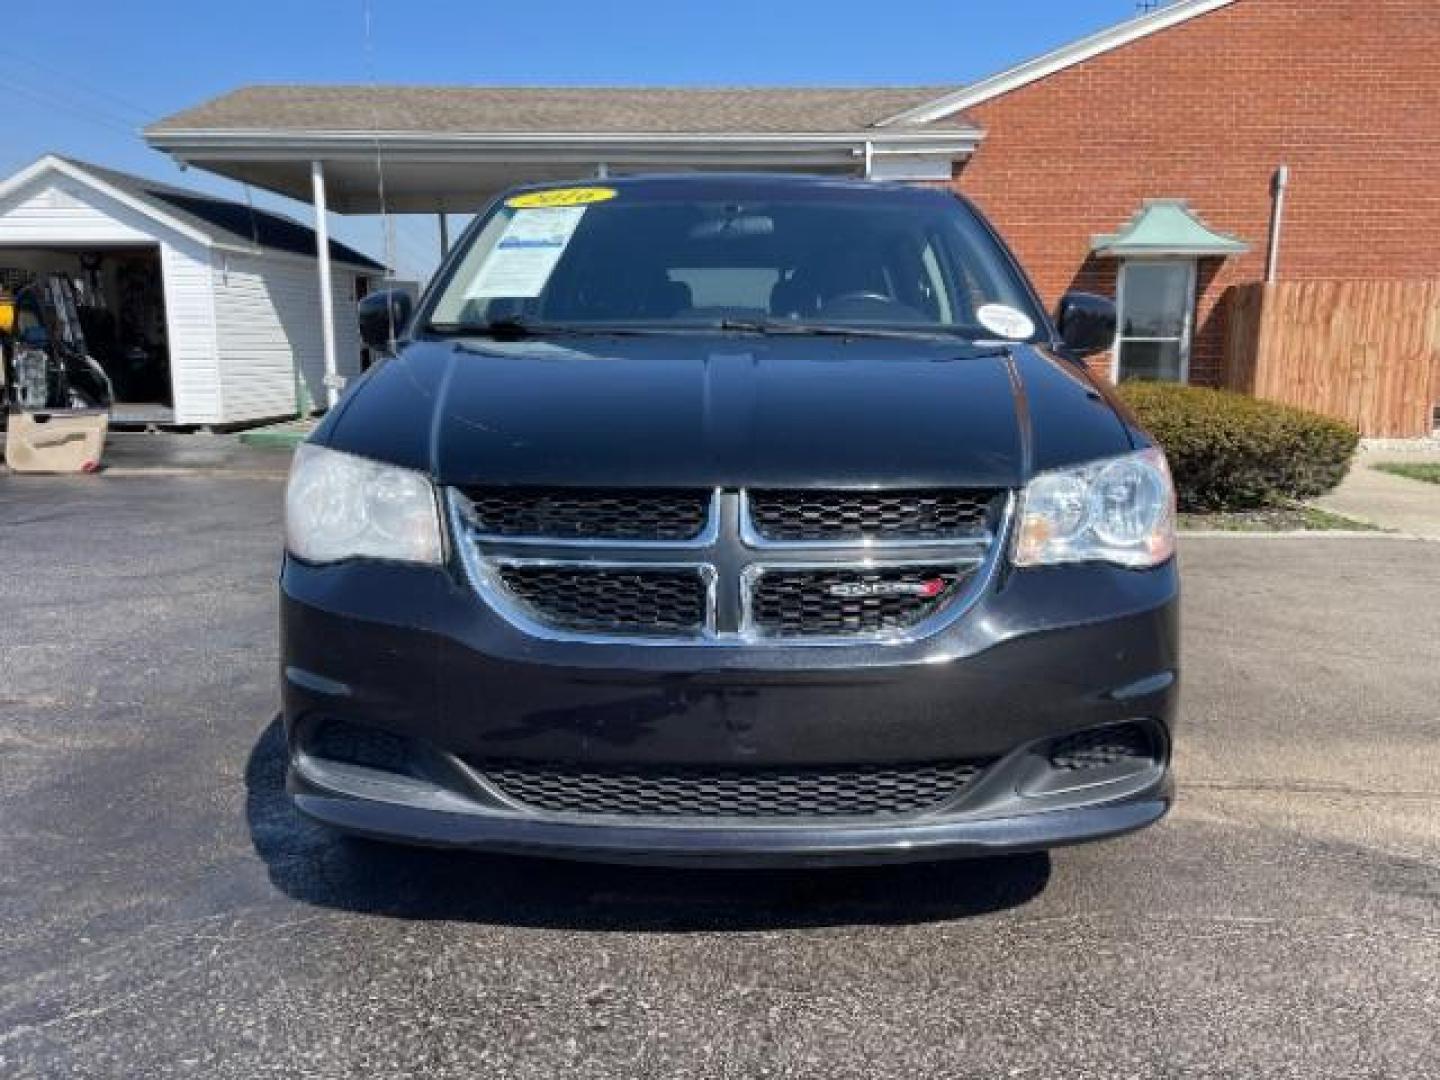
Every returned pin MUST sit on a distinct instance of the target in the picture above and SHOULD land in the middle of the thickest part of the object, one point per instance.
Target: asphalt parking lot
(163, 912)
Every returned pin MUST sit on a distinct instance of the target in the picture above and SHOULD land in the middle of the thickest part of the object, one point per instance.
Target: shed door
(1157, 319)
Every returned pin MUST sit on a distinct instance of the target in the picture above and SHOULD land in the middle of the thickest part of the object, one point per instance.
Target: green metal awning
(1167, 227)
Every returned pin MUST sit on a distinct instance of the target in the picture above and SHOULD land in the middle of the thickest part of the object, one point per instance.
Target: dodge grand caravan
(731, 520)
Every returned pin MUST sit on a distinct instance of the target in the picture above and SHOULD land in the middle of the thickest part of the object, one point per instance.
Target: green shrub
(1232, 452)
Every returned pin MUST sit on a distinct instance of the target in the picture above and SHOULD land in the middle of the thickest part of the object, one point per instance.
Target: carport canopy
(409, 149)
(406, 149)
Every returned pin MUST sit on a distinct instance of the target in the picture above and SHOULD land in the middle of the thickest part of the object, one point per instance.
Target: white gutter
(258, 145)
(161, 137)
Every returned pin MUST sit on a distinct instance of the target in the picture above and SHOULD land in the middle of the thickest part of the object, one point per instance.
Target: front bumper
(1041, 655)
(728, 846)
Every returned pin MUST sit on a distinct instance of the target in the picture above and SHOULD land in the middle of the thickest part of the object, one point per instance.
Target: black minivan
(731, 520)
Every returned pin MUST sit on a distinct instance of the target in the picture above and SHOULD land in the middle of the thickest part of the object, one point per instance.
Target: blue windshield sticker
(521, 262)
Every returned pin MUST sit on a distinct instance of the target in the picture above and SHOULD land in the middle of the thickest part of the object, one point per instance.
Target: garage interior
(121, 297)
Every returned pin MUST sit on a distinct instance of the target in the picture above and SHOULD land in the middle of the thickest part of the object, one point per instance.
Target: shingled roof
(467, 109)
(223, 220)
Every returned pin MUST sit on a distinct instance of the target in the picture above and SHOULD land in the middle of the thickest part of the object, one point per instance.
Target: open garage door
(121, 296)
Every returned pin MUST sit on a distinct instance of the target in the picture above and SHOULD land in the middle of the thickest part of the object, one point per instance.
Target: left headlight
(1119, 510)
(338, 506)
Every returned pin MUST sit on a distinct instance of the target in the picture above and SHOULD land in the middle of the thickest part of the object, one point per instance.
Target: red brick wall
(1345, 92)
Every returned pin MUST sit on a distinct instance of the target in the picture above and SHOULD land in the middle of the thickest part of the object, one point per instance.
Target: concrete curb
(127, 472)
(1300, 534)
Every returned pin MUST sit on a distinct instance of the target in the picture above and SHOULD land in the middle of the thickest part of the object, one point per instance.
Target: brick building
(1206, 103)
(1140, 162)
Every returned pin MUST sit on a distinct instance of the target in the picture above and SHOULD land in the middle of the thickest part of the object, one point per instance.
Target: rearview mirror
(383, 317)
(1086, 322)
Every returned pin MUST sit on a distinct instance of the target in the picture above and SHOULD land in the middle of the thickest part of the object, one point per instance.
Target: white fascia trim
(309, 144)
(51, 163)
(1068, 56)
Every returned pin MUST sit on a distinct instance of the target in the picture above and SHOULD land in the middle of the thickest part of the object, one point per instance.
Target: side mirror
(1087, 323)
(383, 316)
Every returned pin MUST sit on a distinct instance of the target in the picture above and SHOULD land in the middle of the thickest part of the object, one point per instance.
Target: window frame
(1187, 333)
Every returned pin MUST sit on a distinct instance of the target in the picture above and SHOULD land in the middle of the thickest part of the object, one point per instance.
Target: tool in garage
(57, 397)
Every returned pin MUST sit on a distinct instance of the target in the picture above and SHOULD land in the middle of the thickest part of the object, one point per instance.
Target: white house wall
(267, 314)
(54, 210)
(190, 326)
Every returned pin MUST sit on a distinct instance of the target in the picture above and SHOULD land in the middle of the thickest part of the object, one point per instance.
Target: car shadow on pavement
(316, 866)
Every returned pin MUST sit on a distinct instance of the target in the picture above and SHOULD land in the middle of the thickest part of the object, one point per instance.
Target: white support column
(333, 382)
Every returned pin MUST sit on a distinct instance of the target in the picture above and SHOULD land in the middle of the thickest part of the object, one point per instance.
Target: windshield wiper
(803, 329)
(509, 327)
(512, 329)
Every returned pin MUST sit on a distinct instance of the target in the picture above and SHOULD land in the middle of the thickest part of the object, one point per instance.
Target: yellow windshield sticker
(574, 196)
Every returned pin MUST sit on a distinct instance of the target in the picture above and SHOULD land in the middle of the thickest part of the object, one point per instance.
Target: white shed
(203, 310)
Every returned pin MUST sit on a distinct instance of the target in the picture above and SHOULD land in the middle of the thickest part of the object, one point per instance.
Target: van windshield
(619, 259)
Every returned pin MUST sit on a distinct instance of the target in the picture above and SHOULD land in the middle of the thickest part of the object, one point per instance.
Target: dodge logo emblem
(852, 590)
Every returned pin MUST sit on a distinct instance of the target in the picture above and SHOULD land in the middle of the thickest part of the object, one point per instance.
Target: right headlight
(339, 506)
(1120, 510)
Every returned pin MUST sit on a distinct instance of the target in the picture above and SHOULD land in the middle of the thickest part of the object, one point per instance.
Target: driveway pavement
(164, 913)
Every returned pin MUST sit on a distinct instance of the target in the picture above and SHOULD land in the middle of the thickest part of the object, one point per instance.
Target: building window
(1157, 318)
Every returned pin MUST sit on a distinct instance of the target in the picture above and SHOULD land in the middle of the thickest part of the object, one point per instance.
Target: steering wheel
(863, 295)
(863, 304)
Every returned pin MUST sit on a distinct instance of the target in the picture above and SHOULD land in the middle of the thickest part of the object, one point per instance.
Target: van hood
(726, 411)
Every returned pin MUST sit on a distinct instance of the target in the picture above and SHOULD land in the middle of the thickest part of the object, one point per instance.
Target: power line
(139, 114)
(82, 112)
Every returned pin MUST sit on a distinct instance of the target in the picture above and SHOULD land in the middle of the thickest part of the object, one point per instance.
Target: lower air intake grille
(1101, 748)
(844, 602)
(703, 792)
(352, 744)
(590, 513)
(860, 516)
(635, 602)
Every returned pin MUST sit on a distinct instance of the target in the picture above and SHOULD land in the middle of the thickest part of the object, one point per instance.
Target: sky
(82, 79)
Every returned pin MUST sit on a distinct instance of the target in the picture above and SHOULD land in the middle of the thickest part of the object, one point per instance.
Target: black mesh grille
(590, 514)
(917, 516)
(611, 601)
(842, 601)
(1107, 746)
(693, 791)
(338, 740)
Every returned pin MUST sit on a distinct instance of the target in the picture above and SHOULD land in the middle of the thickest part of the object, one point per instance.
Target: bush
(1232, 452)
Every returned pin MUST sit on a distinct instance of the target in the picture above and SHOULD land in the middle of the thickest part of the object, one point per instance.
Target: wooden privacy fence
(1363, 351)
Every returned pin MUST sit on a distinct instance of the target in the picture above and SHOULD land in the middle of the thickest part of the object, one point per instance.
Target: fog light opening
(1104, 748)
(342, 742)
(1133, 752)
